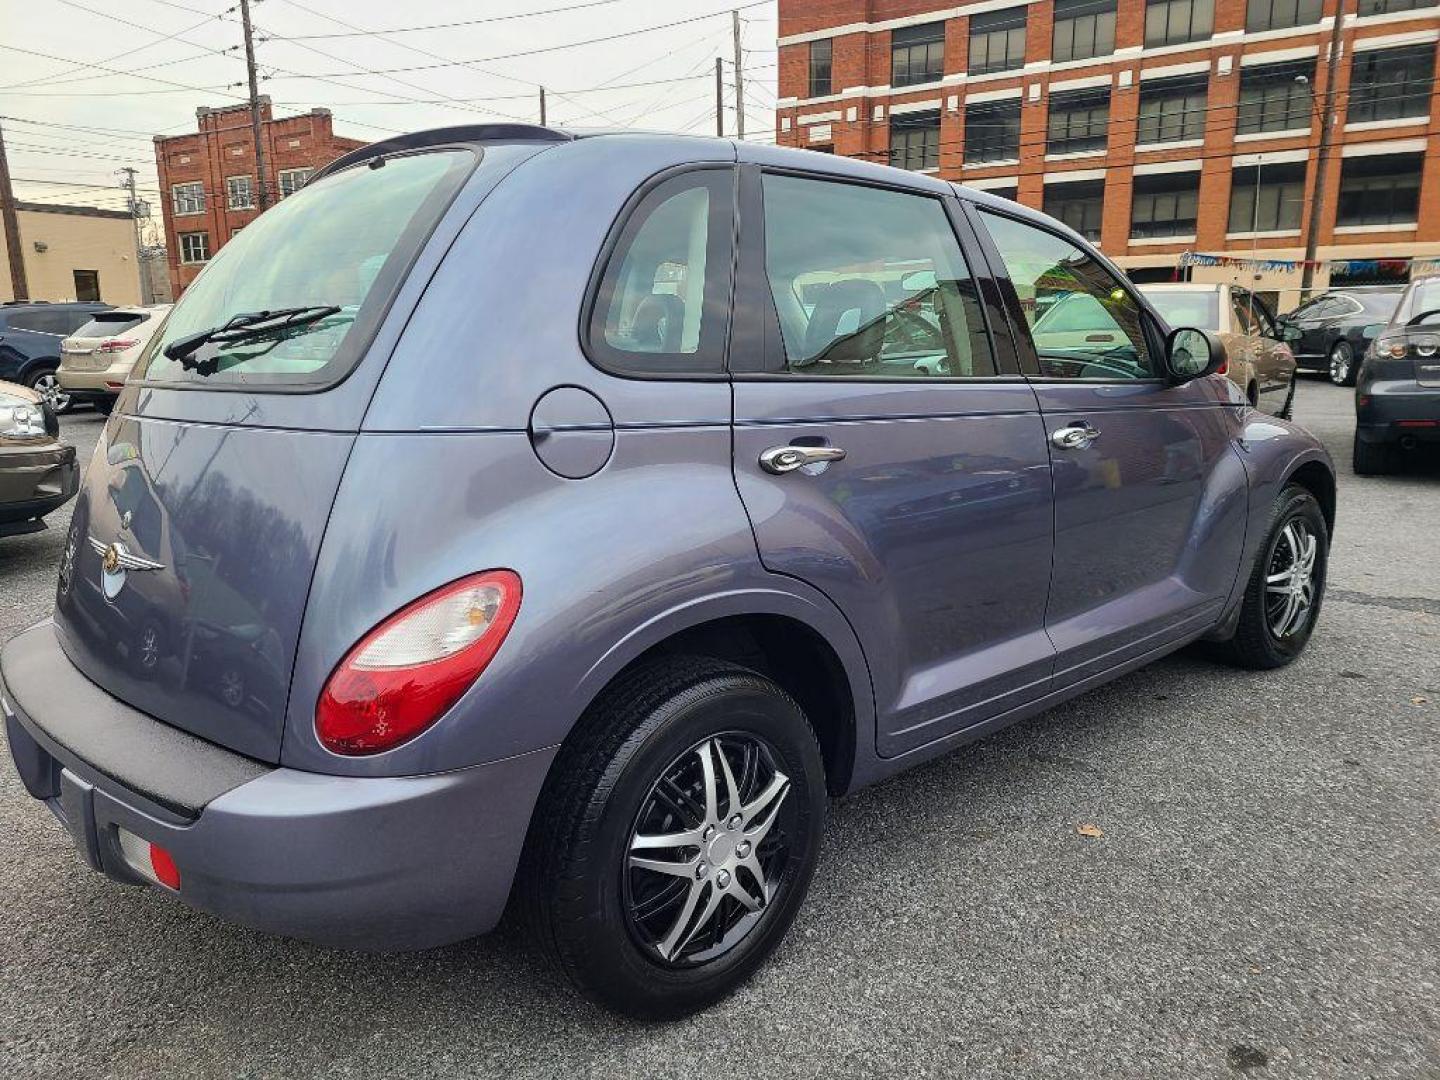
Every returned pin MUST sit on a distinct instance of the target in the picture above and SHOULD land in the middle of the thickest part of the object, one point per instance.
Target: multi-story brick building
(1149, 125)
(208, 183)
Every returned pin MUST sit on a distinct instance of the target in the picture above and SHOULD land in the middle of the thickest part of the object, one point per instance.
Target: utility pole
(542, 106)
(263, 195)
(18, 284)
(739, 77)
(129, 171)
(719, 98)
(1322, 155)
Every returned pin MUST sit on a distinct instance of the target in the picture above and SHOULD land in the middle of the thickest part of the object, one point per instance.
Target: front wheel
(1287, 584)
(1342, 363)
(676, 837)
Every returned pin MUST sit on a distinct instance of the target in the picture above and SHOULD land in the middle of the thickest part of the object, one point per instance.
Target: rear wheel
(1372, 459)
(676, 838)
(1342, 363)
(46, 383)
(1287, 584)
(105, 405)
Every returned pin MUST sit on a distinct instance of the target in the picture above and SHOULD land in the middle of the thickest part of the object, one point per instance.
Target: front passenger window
(1085, 324)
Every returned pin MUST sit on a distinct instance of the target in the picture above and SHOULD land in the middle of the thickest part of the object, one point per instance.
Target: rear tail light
(1224, 367)
(407, 672)
(149, 860)
(110, 345)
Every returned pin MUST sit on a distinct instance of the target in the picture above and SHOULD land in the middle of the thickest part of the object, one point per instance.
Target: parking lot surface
(1263, 900)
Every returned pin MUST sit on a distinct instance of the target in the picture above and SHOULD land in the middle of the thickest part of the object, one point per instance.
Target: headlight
(22, 421)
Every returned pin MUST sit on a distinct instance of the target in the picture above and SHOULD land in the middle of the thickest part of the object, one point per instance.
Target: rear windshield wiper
(248, 324)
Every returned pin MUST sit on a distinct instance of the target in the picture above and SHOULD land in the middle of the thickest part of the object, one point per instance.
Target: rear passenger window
(870, 282)
(663, 303)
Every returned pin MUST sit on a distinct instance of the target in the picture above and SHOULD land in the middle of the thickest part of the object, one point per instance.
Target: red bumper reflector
(166, 872)
(1417, 423)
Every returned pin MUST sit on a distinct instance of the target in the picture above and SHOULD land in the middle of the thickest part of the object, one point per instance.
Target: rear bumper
(1393, 411)
(369, 863)
(34, 482)
(88, 383)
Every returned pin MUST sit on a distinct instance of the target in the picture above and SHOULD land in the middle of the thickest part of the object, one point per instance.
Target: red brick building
(1149, 125)
(208, 183)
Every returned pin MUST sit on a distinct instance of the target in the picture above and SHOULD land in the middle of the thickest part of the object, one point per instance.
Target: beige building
(75, 253)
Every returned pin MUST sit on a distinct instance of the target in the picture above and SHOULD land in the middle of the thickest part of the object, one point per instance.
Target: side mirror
(1192, 354)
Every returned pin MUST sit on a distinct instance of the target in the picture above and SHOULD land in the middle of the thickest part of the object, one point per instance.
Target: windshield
(1422, 298)
(1186, 308)
(345, 241)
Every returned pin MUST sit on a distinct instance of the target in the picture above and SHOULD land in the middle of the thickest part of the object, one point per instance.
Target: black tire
(105, 405)
(1372, 459)
(1340, 365)
(1255, 644)
(1288, 412)
(575, 877)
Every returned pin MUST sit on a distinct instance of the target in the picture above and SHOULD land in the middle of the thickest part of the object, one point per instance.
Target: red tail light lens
(407, 672)
(116, 345)
(1223, 368)
(166, 872)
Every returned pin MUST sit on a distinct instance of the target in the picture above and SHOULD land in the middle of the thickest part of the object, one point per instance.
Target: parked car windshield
(1187, 307)
(1422, 299)
(344, 241)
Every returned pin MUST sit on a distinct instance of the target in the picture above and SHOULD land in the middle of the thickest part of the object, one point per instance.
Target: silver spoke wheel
(1290, 580)
(704, 858)
(48, 387)
(1340, 361)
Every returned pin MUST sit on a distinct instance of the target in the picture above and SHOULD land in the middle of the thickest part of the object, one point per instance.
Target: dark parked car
(30, 336)
(1397, 398)
(1328, 332)
(751, 485)
(37, 472)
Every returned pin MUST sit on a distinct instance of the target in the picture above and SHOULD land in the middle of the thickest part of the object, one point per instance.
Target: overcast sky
(113, 69)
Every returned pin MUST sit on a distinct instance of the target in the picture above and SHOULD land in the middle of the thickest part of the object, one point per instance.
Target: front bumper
(369, 863)
(35, 480)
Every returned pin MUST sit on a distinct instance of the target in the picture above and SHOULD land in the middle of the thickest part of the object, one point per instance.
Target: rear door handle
(784, 459)
(1075, 436)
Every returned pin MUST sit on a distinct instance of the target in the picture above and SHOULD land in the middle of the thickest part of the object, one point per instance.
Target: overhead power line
(459, 23)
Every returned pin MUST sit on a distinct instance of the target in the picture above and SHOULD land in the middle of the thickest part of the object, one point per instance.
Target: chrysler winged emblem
(116, 560)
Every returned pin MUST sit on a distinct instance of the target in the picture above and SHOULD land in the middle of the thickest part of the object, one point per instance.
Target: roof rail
(446, 136)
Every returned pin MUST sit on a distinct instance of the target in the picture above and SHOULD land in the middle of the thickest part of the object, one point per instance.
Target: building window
(1079, 121)
(821, 54)
(915, 140)
(1079, 204)
(1380, 190)
(1012, 193)
(1165, 205)
(87, 285)
(1384, 7)
(1281, 197)
(992, 131)
(1083, 28)
(1172, 109)
(917, 54)
(188, 198)
(1386, 84)
(194, 247)
(997, 41)
(1279, 14)
(292, 180)
(1174, 22)
(239, 195)
(1275, 97)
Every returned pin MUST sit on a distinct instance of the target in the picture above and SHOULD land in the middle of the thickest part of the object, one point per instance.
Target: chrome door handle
(1076, 436)
(784, 459)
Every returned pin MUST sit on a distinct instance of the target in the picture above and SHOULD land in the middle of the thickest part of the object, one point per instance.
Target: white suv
(96, 359)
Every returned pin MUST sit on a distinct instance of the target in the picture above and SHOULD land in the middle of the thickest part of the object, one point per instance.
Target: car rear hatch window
(292, 301)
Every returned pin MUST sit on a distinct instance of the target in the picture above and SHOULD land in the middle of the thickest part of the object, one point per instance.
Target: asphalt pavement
(1263, 898)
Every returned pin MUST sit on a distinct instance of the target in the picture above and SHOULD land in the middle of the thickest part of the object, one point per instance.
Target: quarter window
(1280, 14)
(1172, 110)
(1165, 205)
(1380, 190)
(188, 198)
(663, 302)
(1083, 28)
(1085, 324)
(1272, 206)
(888, 295)
(1386, 84)
(1079, 121)
(1275, 97)
(997, 41)
(917, 54)
(238, 193)
(915, 140)
(821, 58)
(1174, 22)
(992, 131)
(194, 247)
(1079, 204)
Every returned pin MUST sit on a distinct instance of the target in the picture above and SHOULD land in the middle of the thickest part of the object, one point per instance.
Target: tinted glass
(663, 303)
(1084, 322)
(1189, 308)
(107, 323)
(344, 241)
(50, 321)
(870, 283)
